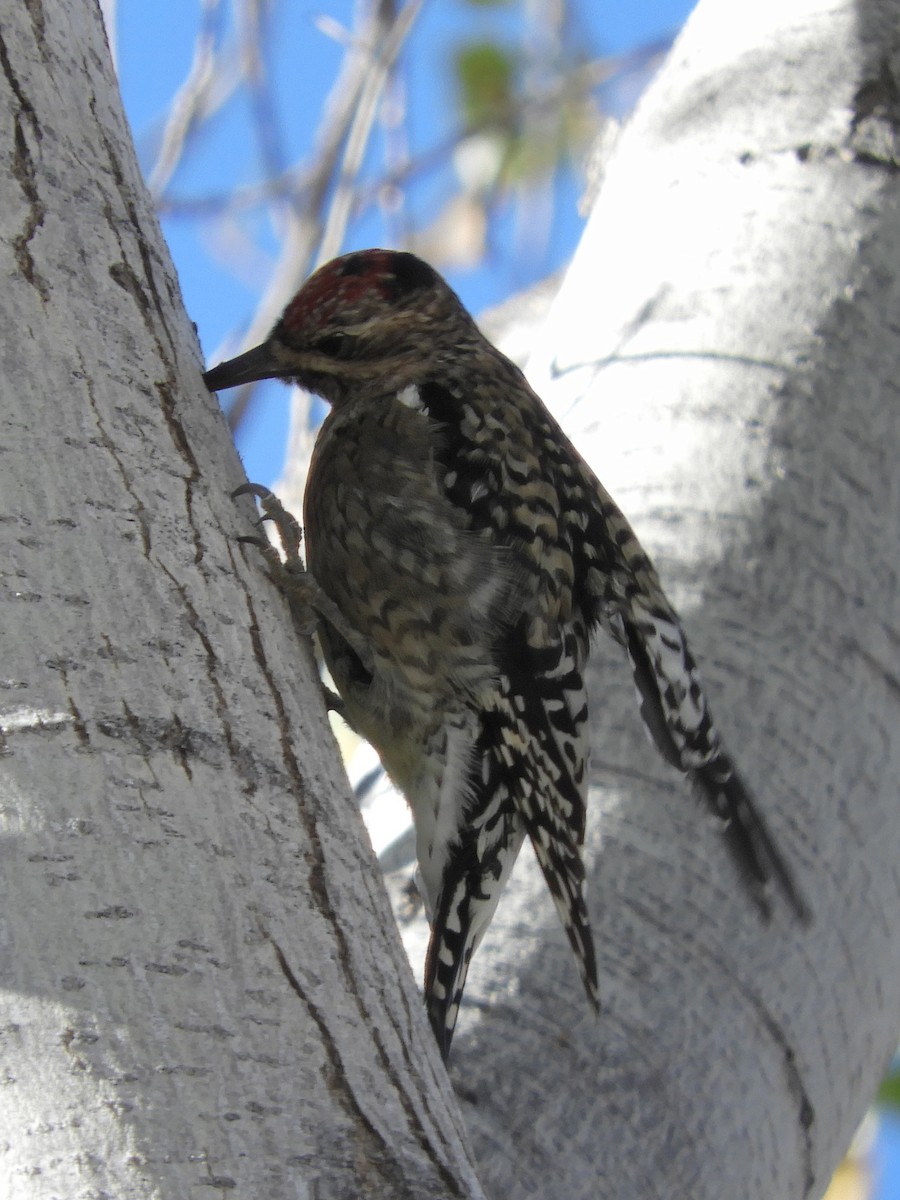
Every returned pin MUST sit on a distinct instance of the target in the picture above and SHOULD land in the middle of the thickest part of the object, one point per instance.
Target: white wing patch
(411, 397)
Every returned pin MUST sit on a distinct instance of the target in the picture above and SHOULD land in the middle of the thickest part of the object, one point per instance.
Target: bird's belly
(425, 738)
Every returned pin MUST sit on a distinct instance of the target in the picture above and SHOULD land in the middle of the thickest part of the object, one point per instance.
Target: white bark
(201, 982)
(726, 351)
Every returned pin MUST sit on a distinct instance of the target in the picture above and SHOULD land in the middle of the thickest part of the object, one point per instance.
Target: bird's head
(377, 320)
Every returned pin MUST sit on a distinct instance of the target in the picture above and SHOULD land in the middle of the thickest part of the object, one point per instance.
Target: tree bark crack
(134, 224)
(319, 887)
(221, 703)
(806, 1113)
(25, 173)
(380, 1154)
(35, 9)
(110, 446)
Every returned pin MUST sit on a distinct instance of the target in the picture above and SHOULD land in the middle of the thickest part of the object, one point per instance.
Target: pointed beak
(259, 363)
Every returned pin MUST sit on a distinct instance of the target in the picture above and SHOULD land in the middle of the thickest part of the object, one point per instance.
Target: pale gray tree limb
(200, 981)
(725, 349)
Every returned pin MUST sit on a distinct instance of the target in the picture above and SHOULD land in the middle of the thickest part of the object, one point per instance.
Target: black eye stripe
(335, 345)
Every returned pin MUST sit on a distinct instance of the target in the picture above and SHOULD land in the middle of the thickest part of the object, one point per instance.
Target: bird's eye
(335, 345)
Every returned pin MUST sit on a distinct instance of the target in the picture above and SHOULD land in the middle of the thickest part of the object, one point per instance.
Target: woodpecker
(459, 556)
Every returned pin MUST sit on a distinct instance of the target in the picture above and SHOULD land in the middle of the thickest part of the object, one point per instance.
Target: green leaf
(889, 1092)
(485, 73)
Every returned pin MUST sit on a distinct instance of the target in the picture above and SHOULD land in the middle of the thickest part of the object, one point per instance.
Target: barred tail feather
(528, 773)
(547, 696)
(560, 861)
(677, 716)
(478, 865)
(463, 915)
(747, 834)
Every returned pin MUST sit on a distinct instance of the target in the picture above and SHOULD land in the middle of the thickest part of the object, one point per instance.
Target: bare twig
(577, 84)
(192, 103)
(382, 63)
(252, 17)
(346, 127)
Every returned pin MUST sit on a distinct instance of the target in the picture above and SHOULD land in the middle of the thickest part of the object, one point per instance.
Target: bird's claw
(308, 603)
(290, 531)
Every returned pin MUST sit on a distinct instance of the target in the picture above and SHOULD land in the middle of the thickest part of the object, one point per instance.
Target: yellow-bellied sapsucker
(464, 553)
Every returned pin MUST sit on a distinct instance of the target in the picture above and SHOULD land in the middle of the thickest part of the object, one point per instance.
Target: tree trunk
(725, 350)
(202, 983)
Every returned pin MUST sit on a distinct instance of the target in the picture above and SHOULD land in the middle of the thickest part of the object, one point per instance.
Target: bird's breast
(385, 543)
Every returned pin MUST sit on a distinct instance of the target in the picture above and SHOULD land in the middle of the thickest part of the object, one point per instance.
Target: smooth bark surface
(202, 986)
(725, 351)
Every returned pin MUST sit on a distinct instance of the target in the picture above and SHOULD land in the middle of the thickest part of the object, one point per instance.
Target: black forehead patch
(357, 264)
(409, 274)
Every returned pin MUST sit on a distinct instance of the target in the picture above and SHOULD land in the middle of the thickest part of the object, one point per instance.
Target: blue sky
(155, 45)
